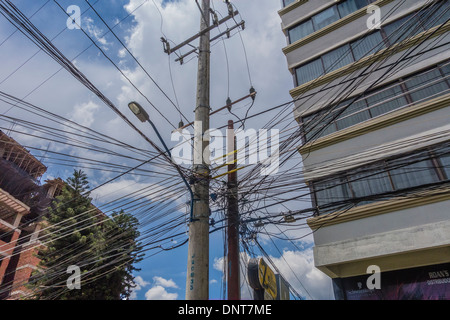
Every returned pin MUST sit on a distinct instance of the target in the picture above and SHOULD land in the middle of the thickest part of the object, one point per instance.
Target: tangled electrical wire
(161, 207)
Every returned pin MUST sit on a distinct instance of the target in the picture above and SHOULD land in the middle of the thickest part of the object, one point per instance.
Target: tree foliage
(105, 249)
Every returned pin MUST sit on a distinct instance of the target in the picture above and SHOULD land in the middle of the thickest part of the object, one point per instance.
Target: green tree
(104, 248)
(119, 255)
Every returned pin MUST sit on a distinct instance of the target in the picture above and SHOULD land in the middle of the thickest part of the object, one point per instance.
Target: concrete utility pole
(233, 285)
(197, 282)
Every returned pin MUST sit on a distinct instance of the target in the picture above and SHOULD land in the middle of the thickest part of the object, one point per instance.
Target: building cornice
(291, 7)
(332, 27)
(377, 123)
(369, 60)
(381, 207)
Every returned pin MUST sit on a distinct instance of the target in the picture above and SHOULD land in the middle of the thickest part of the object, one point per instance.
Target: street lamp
(138, 111)
(142, 115)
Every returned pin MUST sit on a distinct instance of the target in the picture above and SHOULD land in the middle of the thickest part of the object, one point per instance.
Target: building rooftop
(12, 151)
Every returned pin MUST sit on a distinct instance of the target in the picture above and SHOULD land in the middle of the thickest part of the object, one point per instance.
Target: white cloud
(140, 283)
(95, 32)
(160, 293)
(246, 291)
(84, 114)
(297, 267)
(122, 53)
(134, 189)
(263, 40)
(160, 281)
(157, 291)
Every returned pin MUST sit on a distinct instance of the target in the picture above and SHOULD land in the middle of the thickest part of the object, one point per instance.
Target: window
(309, 71)
(334, 190)
(415, 89)
(386, 100)
(414, 175)
(302, 30)
(439, 14)
(347, 53)
(355, 113)
(372, 183)
(319, 124)
(445, 162)
(288, 2)
(408, 171)
(403, 28)
(368, 45)
(326, 17)
(350, 6)
(337, 58)
(446, 69)
(426, 86)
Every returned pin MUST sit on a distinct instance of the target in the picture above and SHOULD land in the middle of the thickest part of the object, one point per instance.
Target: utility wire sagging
(163, 221)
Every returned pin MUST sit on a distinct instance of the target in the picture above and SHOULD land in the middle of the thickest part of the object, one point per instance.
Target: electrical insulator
(228, 103)
(253, 93)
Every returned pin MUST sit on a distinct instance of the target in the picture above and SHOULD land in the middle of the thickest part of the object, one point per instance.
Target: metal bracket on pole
(227, 32)
(227, 106)
(181, 58)
(199, 34)
(214, 17)
(166, 45)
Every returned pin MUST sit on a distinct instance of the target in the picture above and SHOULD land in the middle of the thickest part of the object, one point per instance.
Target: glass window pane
(445, 161)
(309, 126)
(319, 125)
(288, 2)
(436, 15)
(402, 29)
(325, 18)
(309, 71)
(300, 31)
(350, 6)
(368, 45)
(353, 115)
(427, 85)
(337, 58)
(370, 183)
(446, 70)
(386, 101)
(414, 175)
(319, 130)
(331, 191)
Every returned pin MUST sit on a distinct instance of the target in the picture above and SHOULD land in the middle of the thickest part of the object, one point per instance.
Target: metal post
(233, 285)
(197, 282)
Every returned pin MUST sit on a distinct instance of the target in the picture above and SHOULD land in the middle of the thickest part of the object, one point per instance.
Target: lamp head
(138, 111)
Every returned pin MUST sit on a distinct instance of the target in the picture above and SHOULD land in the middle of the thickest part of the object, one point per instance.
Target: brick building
(23, 203)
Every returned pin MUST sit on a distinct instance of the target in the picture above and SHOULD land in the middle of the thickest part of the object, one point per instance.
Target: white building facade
(372, 98)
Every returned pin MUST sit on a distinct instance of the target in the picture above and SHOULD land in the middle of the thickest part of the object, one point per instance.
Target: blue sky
(162, 275)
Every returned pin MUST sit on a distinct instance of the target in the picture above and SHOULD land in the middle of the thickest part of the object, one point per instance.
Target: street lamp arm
(191, 218)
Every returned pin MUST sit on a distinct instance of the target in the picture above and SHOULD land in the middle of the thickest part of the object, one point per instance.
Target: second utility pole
(197, 286)
(233, 277)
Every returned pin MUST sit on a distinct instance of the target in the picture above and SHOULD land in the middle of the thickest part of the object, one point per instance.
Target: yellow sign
(267, 279)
